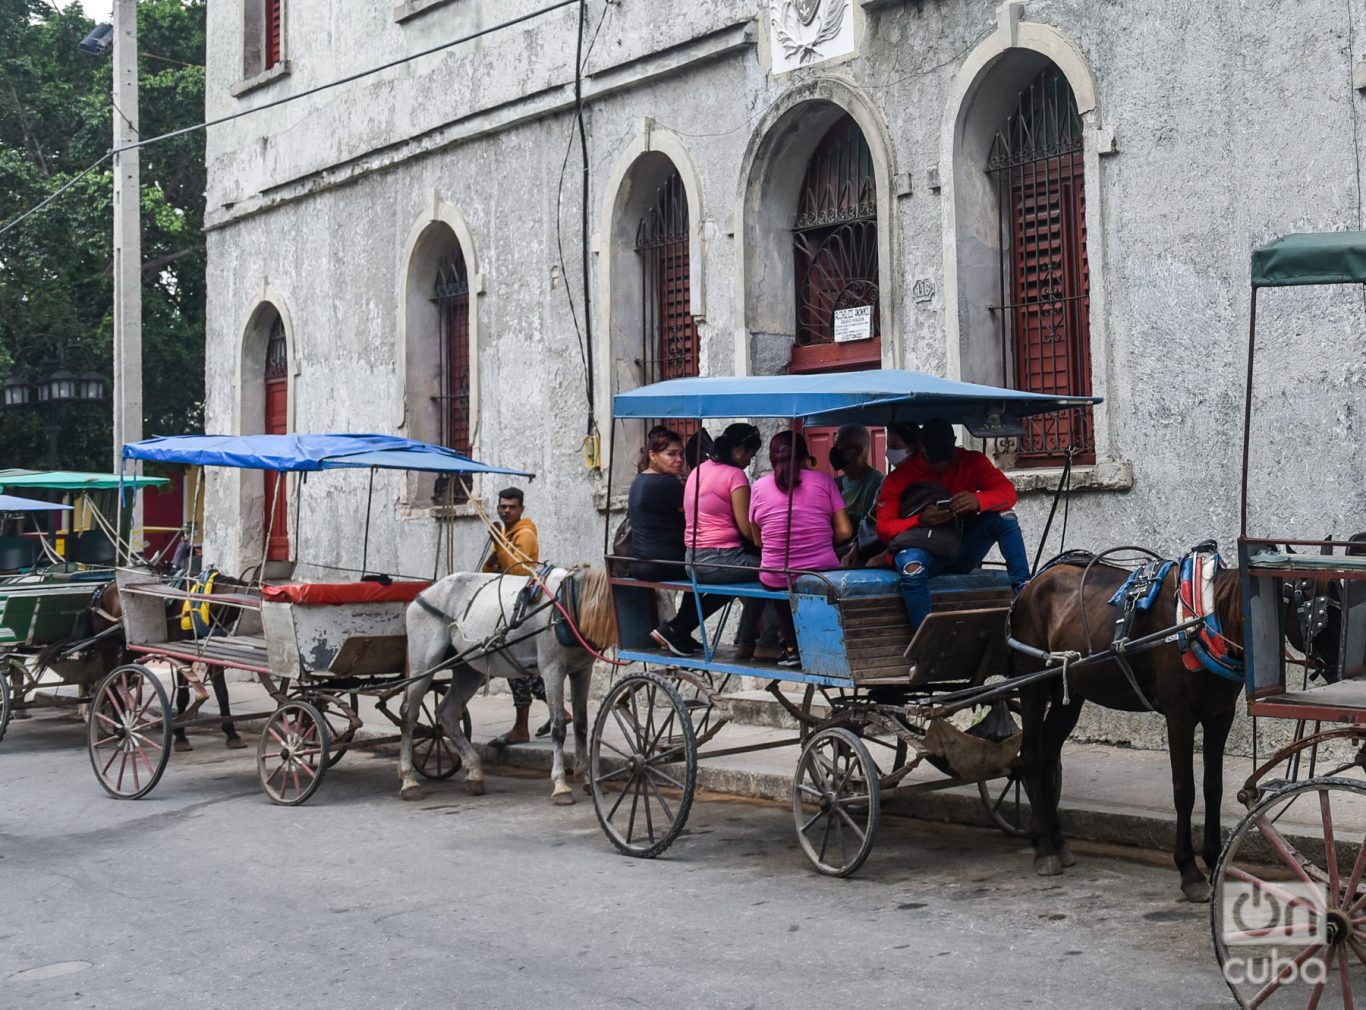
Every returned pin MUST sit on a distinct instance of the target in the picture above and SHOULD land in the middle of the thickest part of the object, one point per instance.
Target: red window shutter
(273, 32)
(1051, 302)
(277, 423)
(458, 334)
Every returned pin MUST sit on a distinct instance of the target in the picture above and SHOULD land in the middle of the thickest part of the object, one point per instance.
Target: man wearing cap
(975, 493)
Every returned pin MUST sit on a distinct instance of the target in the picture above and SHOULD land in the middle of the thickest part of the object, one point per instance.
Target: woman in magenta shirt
(815, 506)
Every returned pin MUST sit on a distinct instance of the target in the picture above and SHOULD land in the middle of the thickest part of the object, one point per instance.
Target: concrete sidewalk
(1110, 794)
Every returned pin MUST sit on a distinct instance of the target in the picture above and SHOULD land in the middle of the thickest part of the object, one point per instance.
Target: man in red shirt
(978, 495)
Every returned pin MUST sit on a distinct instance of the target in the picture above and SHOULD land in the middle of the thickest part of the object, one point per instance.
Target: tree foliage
(56, 268)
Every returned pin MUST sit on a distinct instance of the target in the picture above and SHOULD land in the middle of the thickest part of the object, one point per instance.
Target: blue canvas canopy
(13, 503)
(293, 453)
(72, 480)
(876, 397)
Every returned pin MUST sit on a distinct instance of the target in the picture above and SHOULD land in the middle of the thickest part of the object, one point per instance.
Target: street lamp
(59, 387)
(17, 393)
(90, 387)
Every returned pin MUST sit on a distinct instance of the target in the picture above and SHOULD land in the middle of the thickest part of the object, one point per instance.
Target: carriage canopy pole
(1247, 401)
(611, 461)
(365, 548)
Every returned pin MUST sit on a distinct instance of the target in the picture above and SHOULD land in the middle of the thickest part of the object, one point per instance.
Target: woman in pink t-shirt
(797, 516)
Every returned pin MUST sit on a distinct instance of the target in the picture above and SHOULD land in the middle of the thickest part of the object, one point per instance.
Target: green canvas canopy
(1332, 257)
(71, 480)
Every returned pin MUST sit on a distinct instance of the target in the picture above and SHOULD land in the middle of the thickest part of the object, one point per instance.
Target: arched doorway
(276, 422)
(835, 244)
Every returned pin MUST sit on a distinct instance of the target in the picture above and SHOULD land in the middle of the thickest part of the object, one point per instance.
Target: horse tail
(596, 617)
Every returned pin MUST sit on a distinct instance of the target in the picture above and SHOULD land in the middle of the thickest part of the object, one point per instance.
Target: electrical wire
(348, 79)
(581, 62)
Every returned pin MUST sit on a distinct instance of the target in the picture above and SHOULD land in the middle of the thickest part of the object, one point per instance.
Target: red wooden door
(819, 442)
(277, 518)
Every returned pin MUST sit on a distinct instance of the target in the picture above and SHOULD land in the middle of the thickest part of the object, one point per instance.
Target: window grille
(1038, 166)
(669, 345)
(453, 311)
(836, 246)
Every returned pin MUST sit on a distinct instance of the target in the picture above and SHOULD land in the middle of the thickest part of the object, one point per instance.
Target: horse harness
(1196, 633)
(523, 609)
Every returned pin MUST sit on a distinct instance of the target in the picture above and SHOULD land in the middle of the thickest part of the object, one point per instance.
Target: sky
(99, 10)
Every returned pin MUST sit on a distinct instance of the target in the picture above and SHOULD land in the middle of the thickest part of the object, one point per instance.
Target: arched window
(276, 422)
(1036, 161)
(835, 242)
(452, 297)
(669, 335)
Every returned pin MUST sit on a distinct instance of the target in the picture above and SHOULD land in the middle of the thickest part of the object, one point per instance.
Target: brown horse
(1055, 613)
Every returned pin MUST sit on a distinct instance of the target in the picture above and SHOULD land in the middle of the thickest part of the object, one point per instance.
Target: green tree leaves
(56, 283)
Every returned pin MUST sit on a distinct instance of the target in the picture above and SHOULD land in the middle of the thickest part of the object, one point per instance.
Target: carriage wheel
(1006, 803)
(291, 756)
(1289, 917)
(836, 801)
(341, 731)
(434, 753)
(4, 700)
(643, 729)
(129, 732)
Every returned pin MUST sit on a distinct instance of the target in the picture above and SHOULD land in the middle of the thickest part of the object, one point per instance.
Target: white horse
(468, 613)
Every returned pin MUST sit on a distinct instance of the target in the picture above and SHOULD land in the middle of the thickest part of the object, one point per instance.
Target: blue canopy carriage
(866, 678)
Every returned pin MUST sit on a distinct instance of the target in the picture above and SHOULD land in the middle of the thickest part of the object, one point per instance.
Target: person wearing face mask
(858, 479)
(903, 441)
(966, 504)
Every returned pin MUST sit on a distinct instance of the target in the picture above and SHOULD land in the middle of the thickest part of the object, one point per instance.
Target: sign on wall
(853, 324)
(806, 32)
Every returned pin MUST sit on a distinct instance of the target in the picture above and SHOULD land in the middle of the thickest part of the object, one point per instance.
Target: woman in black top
(656, 514)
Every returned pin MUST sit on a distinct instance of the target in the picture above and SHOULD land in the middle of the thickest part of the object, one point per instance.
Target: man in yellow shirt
(517, 552)
(522, 552)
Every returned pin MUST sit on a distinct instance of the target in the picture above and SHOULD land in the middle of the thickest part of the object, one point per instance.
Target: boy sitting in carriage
(941, 510)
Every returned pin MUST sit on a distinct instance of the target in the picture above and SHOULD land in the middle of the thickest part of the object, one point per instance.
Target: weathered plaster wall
(1231, 124)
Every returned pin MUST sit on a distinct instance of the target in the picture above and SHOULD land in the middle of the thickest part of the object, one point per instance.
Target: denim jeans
(980, 534)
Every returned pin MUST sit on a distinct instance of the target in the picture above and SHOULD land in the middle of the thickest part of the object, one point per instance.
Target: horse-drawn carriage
(49, 593)
(1289, 908)
(317, 647)
(866, 683)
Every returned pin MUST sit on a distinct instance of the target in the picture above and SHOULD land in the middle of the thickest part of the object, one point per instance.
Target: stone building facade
(1053, 194)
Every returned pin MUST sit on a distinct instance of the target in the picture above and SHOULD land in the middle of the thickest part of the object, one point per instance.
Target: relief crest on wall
(809, 31)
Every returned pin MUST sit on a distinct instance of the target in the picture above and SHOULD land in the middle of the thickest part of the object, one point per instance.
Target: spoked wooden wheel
(643, 764)
(836, 801)
(434, 753)
(129, 732)
(340, 729)
(1289, 904)
(291, 756)
(1006, 803)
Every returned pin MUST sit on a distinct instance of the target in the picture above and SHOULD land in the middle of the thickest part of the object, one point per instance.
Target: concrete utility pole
(127, 239)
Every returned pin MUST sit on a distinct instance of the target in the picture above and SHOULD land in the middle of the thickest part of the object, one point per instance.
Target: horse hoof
(1048, 866)
(564, 799)
(413, 792)
(235, 743)
(475, 787)
(1067, 856)
(1196, 891)
(182, 746)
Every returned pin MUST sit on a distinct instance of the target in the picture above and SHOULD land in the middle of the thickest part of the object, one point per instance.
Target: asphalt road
(205, 895)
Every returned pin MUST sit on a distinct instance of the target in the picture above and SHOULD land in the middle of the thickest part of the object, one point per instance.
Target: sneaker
(789, 658)
(679, 645)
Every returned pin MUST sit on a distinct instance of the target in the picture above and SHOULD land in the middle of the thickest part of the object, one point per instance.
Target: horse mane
(597, 617)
